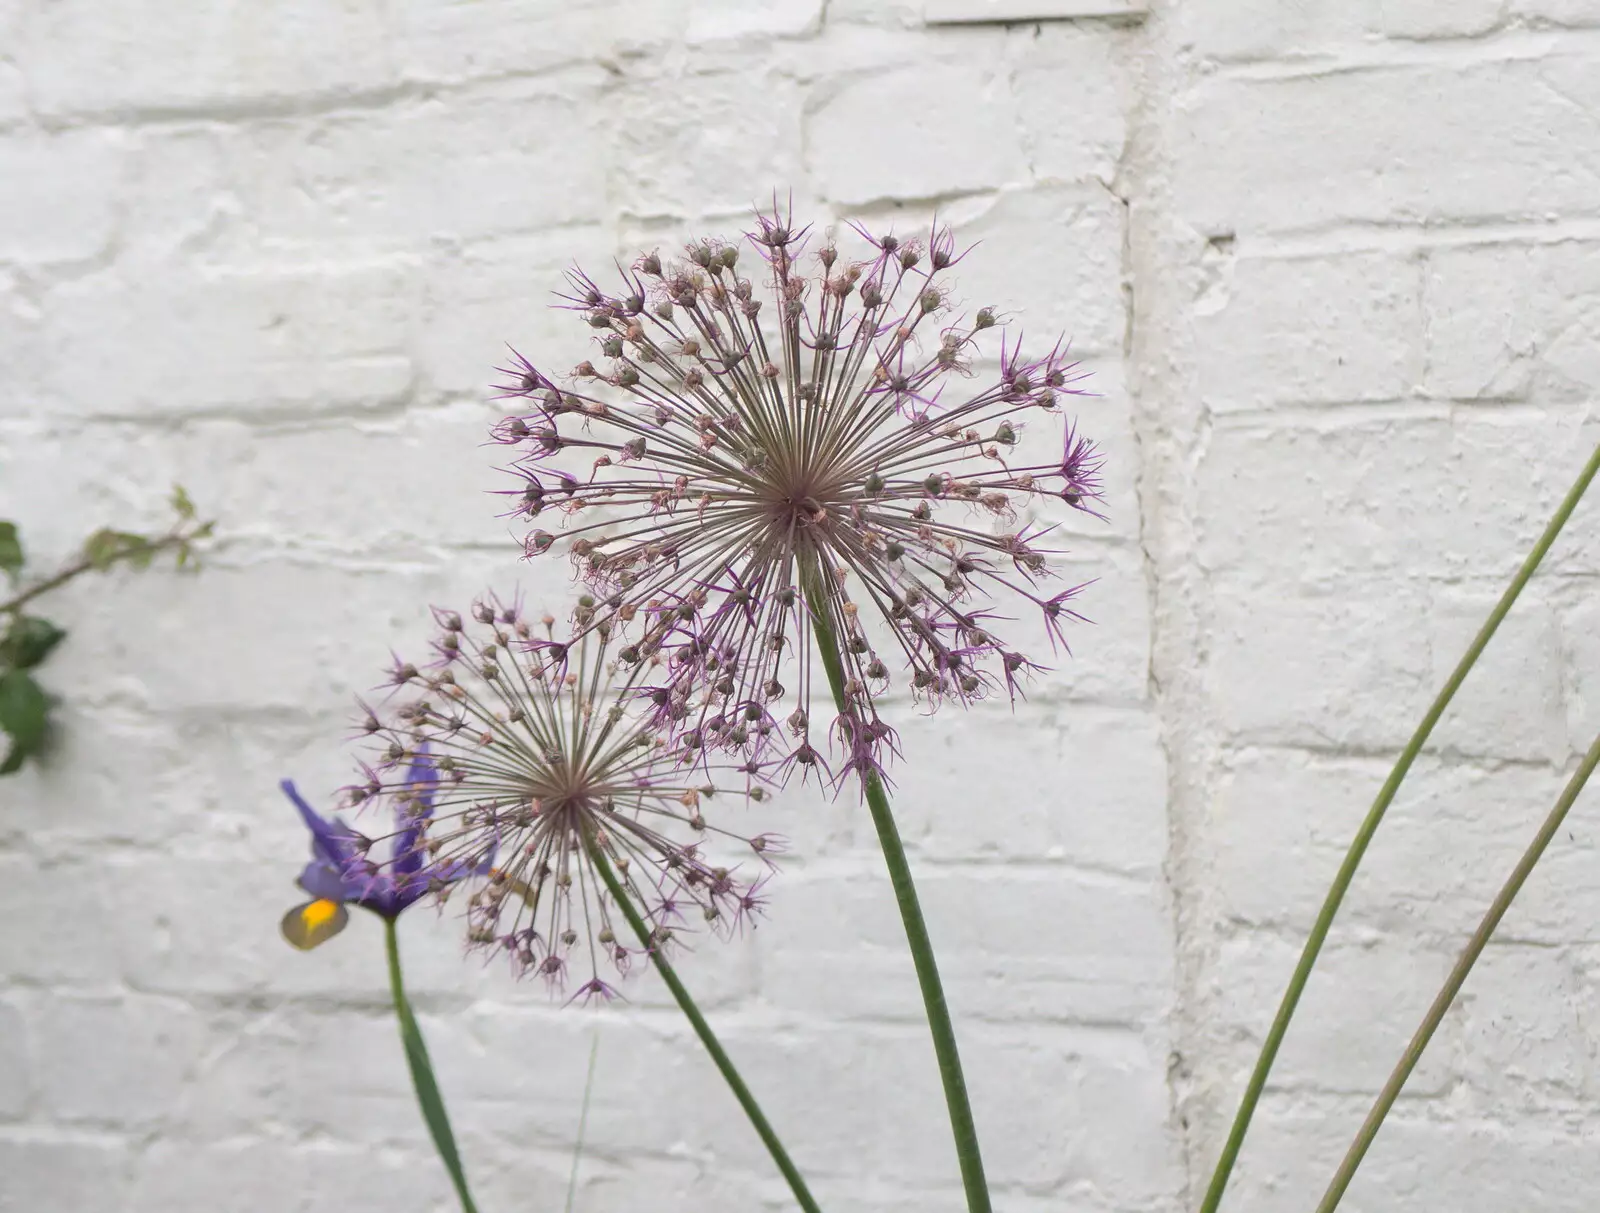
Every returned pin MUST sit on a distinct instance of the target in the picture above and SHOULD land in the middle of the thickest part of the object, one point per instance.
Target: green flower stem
(583, 1124)
(702, 1029)
(427, 1087)
(1458, 976)
(905, 894)
(1369, 827)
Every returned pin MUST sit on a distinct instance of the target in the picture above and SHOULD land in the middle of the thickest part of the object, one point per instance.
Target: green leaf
(28, 641)
(106, 546)
(10, 548)
(181, 502)
(24, 714)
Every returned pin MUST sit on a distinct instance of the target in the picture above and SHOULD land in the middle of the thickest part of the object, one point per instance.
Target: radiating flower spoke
(746, 439)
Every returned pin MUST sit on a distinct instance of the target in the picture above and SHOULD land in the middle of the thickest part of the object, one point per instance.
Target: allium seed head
(531, 754)
(750, 477)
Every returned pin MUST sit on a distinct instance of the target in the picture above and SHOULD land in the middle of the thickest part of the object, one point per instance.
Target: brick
(496, 160)
(257, 1176)
(1578, 14)
(343, 618)
(915, 133)
(329, 1072)
(123, 1059)
(1511, 704)
(1310, 330)
(1107, 418)
(1580, 641)
(444, 453)
(178, 201)
(298, 337)
(1421, 19)
(1037, 1130)
(476, 39)
(1033, 943)
(1344, 673)
(234, 470)
(676, 1185)
(956, 12)
(58, 194)
(13, 82)
(1357, 508)
(213, 55)
(22, 358)
(1061, 784)
(96, 756)
(1526, 1042)
(816, 824)
(486, 297)
(1481, 141)
(1109, 662)
(1551, 908)
(1051, 259)
(1462, 1163)
(1530, 328)
(166, 947)
(1260, 29)
(714, 20)
(1375, 693)
(687, 1110)
(46, 1171)
(1359, 1009)
(15, 1084)
(1101, 414)
(539, 1101)
(1279, 826)
(77, 949)
(896, 15)
(726, 140)
(1072, 98)
(1090, 1124)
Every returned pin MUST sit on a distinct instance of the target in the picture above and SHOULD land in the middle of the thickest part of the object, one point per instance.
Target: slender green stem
(702, 1029)
(1369, 827)
(1458, 976)
(583, 1123)
(956, 1101)
(427, 1087)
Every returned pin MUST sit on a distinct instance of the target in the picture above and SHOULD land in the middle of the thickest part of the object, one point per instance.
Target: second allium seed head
(515, 765)
(751, 462)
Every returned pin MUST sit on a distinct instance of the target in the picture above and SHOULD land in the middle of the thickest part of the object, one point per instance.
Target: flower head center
(565, 792)
(807, 510)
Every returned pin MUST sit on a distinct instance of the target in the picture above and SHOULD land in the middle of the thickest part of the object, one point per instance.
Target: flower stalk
(962, 1125)
(650, 943)
(427, 1087)
(1369, 827)
(1457, 978)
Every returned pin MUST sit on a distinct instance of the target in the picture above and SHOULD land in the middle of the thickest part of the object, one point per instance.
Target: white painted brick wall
(1335, 267)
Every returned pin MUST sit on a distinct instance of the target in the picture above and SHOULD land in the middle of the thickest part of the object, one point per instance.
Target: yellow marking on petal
(319, 912)
(314, 923)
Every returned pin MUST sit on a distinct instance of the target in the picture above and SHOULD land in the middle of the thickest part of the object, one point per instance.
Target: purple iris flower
(341, 871)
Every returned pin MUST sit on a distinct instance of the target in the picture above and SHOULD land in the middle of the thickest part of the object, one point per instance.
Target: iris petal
(314, 923)
(421, 779)
(331, 840)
